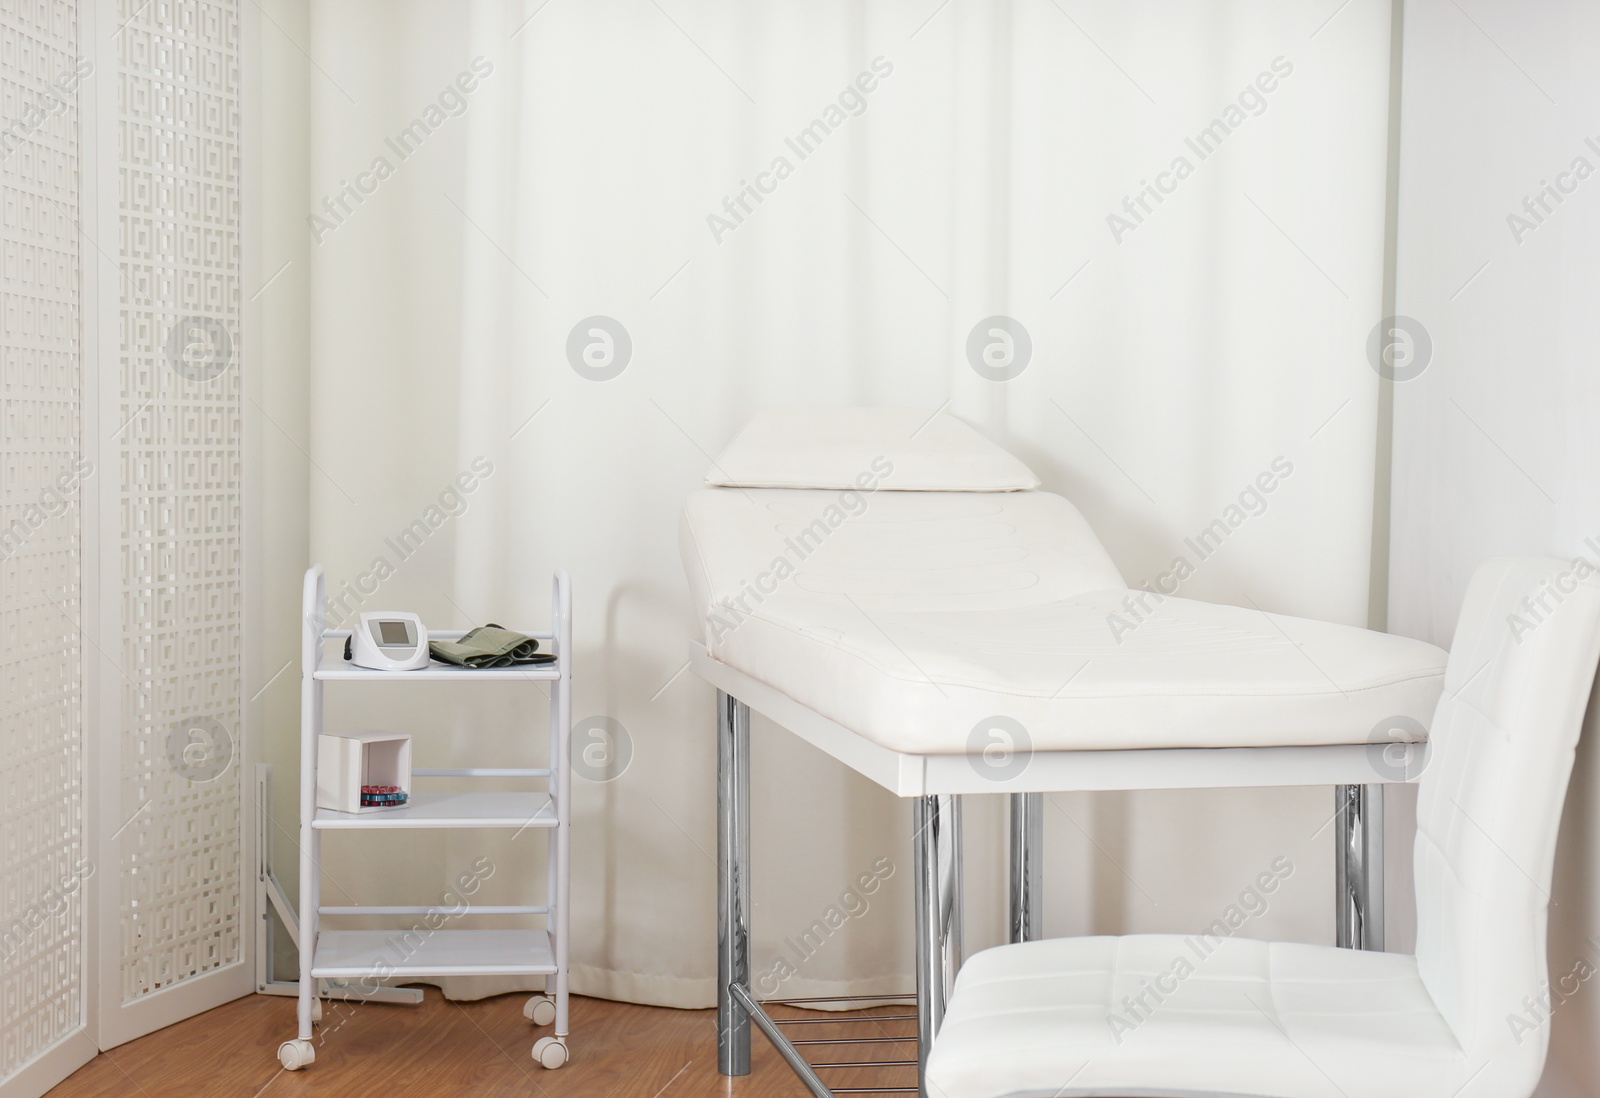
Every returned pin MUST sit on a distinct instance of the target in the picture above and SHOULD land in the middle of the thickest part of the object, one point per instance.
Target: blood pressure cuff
(490, 646)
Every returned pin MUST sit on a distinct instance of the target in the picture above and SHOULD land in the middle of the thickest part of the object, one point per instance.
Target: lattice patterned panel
(42, 852)
(178, 178)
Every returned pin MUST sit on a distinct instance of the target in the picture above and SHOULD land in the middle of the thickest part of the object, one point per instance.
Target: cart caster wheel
(540, 1010)
(316, 1012)
(550, 1051)
(294, 1055)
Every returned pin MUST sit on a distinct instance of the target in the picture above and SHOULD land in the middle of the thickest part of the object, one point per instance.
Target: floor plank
(442, 1049)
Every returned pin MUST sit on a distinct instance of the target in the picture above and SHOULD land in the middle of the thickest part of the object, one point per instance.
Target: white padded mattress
(914, 618)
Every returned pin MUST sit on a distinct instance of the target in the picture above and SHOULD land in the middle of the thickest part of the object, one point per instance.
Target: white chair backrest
(1522, 667)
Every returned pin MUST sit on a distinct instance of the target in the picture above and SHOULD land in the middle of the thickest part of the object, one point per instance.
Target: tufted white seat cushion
(1195, 1015)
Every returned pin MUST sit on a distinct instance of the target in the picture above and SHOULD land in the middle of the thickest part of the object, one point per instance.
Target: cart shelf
(358, 954)
(434, 810)
(446, 672)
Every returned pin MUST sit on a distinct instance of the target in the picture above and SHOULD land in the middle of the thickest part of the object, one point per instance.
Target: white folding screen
(172, 933)
(121, 521)
(44, 855)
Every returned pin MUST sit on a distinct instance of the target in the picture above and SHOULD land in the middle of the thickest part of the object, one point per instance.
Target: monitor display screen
(393, 632)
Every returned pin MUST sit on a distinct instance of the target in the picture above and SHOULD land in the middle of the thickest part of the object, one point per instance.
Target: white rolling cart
(361, 957)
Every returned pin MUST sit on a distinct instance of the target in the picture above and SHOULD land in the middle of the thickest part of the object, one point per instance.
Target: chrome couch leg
(1358, 866)
(936, 854)
(1025, 902)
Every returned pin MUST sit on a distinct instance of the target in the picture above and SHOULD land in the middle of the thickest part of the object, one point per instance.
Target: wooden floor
(443, 1049)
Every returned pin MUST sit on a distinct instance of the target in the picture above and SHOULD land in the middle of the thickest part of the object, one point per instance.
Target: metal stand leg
(936, 854)
(310, 852)
(733, 883)
(1358, 866)
(1025, 906)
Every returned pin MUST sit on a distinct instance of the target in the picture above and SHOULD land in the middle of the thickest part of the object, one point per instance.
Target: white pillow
(906, 449)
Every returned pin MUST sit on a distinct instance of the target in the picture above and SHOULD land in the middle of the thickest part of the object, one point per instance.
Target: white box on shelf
(350, 760)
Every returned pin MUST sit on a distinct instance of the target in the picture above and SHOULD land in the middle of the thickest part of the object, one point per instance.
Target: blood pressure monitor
(388, 641)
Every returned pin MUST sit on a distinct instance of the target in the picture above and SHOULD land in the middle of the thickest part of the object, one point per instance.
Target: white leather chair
(1168, 1015)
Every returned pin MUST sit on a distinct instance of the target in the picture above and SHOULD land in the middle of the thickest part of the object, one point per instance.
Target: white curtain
(1190, 324)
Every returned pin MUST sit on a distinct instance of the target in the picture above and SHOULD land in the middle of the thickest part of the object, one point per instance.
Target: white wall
(1496, 443)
